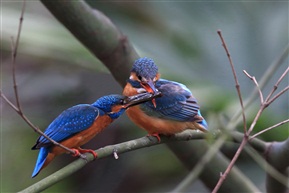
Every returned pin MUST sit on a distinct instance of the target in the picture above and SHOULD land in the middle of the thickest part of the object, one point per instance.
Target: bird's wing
(177, 102)
(68, 123)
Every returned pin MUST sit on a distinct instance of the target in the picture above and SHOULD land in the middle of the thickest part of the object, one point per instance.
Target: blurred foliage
(54, 72)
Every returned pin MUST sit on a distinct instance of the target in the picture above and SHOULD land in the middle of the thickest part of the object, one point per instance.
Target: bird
(175, 111)
(79, 124)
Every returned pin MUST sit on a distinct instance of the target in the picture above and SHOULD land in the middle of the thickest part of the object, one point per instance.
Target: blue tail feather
(203, 122)
(43, 152)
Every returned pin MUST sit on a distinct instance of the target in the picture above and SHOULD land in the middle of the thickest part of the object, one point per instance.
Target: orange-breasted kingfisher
(79, 124)
(176, 110)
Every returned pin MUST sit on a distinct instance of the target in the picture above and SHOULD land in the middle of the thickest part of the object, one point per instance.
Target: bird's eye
(121, 101)
(139, 77)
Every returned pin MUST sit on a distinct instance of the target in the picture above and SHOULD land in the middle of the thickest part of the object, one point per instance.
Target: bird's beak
(149, 86)
(140, 98)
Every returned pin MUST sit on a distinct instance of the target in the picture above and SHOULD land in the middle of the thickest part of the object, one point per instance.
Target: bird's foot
(88, 151)
(76, 152)
(157, 135)
(80, 153)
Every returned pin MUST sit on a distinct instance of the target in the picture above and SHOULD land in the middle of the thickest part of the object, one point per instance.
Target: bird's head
(143, 75)
(115, 105)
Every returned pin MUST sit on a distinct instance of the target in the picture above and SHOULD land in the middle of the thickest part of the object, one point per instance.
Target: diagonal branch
(14, 47)
(98, 34)
(269, 128)
(264, 105)
(18, 108)
(121, 148)
(262, 83)
(277, 84)
(236, 80)
(22, 115)
(257, 85)
(105, 152)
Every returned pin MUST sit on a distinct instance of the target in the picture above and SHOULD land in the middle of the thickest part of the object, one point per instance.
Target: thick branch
(96, 31)
(105, 152)
(210, 169)
(277, 156)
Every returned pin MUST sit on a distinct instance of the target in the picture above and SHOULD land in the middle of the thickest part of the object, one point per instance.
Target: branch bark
(277, 156)
(208, 176)
(105, 152)
(97, 33)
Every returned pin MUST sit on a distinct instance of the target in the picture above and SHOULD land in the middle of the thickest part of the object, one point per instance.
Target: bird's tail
(203, 123)
(43, 159)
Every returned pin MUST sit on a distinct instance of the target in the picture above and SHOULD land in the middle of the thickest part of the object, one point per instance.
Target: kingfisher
(175, 111)
(77, 125)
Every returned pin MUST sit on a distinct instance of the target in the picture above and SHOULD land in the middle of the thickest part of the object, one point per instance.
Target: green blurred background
(54, 72)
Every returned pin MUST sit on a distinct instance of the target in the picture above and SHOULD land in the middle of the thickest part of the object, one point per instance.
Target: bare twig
(257, 85)
(14, 54)
(264, 104)
(22, 115)
(18, 108)
(235, 78)
(277, 84)
(278, 95)
(269, 128)
(262, 83)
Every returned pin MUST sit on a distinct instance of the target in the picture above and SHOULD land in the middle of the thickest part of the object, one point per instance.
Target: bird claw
(80, 153)
(76, 152)
(155, 135)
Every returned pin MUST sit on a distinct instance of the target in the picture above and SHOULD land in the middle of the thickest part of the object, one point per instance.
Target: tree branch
(105, 152)
(96, 31)
(264, 105)
(236, 80)
(144, 142)
(277, 156)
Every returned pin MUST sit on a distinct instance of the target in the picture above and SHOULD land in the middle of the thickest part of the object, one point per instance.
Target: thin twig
(14, 54)
(257, 85)
(278, 95)
(264, 104)
(235, 78)
(269, 128)
(262, 83)
(277, 84)
(17, 108)
(237, 154)
(22, 115)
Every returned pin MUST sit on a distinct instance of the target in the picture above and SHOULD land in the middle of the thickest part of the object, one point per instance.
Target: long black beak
(140, 98)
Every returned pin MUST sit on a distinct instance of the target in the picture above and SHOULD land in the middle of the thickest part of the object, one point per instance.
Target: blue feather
(69, 122)
(40, 160)
(203, 122)
(176, 103)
